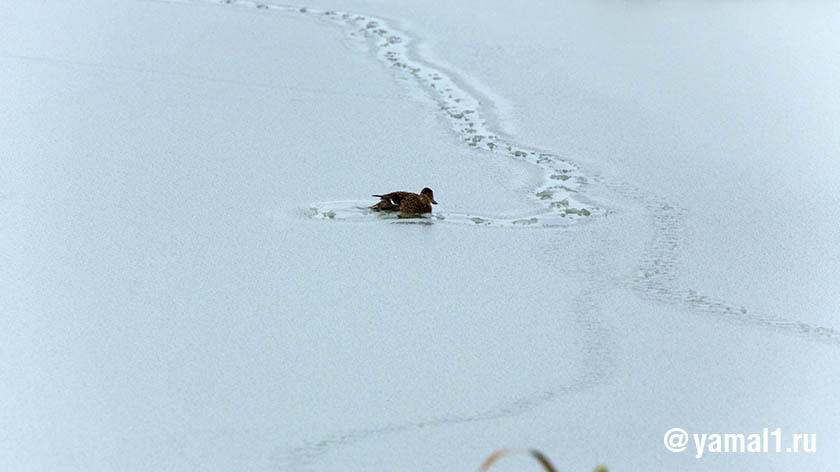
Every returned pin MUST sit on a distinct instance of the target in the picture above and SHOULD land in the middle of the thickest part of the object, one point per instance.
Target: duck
(406, 202)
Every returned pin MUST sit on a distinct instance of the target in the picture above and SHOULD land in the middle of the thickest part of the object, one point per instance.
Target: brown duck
(406, 202)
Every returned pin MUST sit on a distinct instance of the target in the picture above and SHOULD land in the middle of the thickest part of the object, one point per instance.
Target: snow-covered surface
(190, 280)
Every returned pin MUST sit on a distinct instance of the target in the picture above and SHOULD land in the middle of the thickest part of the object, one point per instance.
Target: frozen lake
(638, 230)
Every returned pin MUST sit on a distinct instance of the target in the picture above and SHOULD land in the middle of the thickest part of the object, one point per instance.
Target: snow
(191, 281)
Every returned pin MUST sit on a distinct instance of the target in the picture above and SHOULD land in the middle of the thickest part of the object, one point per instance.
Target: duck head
(429, 194)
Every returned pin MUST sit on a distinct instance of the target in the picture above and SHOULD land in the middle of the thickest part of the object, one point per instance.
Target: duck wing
(390, 201)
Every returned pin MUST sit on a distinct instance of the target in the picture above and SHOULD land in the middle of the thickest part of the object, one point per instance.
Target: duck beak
(434, 202)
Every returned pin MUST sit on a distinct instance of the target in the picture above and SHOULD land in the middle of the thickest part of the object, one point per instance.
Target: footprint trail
(566, 199)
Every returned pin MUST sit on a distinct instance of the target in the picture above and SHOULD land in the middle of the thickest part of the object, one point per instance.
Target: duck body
(406, 202)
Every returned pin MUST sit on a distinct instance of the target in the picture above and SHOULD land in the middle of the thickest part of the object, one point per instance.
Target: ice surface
(191, 280)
